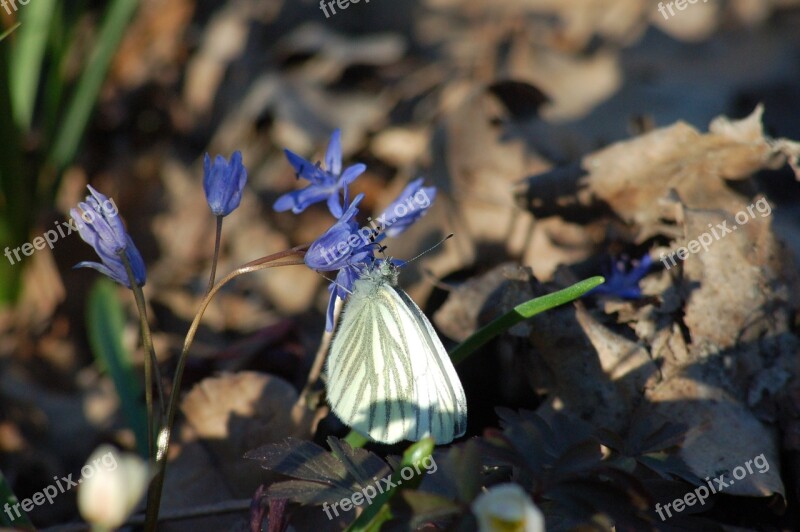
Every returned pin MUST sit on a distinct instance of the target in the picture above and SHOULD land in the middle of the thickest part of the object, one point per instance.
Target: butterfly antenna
(442, 241)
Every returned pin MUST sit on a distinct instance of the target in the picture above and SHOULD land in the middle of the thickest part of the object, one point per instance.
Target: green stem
(521, 313)
(289, 257)
(151, 371)
(216, 254)
(355, 439)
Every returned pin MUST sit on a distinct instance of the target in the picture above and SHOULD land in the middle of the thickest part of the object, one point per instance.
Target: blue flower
(622, 281)
(325, 183)
(351, 250)
(411, 205)
(224, 182)
(104, 231)
(345, 248)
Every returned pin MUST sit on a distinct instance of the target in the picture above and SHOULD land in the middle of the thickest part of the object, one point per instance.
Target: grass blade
(520, 313)
(26, 59)
(83, 100)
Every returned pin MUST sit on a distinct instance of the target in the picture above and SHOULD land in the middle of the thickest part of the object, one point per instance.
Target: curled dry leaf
(233, 413)
(723, 436)
(597, 374)
(245, 409)
(475, 165)
(629, 178)
(719, 328)
(694, 24)
(468, 306)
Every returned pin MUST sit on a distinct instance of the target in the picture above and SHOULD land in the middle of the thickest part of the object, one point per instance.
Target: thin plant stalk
(151, 371)
(300, 410)
(319, 360)
(289, 257)
(217, 241)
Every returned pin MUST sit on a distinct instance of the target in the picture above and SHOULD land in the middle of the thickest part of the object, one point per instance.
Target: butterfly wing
(388, 374)
(439, 394)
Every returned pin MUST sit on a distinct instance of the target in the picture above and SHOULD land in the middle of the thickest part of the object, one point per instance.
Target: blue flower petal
(331, 307)
(299, 200)
(308, 170)
(335, 205)
(341, 287)
(411, 205)
(332, 250)
(333, 156)
(623, 282)
(111, 222)
(326, 183)
(351, 173)
(115, 275)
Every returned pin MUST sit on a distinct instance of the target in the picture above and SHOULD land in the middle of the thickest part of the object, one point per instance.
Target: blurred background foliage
(51, 78)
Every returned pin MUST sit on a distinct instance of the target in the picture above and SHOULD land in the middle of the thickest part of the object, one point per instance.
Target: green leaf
(26, 59)
(105, 322)
(16, 190)
(80, 108)
(520, 313)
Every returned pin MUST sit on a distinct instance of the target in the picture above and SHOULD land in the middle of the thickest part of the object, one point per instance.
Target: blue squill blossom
(341, 248)
(103, 230)
(411, 205)
(224, 182)
(326, 183)
(622, 281)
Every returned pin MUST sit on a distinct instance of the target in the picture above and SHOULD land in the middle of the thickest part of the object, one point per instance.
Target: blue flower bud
(224, 182)
(101, 228)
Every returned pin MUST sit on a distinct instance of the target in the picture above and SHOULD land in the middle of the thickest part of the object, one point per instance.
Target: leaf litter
(513, 110)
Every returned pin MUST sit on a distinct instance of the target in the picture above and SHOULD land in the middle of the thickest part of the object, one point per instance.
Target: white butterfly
(389, 375)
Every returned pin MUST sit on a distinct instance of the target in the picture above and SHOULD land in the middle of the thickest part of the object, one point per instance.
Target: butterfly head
(382, 271)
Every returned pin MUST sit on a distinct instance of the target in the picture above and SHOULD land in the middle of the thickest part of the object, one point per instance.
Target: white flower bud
(507, 508)
(112, 483)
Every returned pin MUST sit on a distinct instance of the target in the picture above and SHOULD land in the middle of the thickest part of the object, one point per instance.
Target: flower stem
(289, 257)
(301, 410)
(151, 371)
(217, 240)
